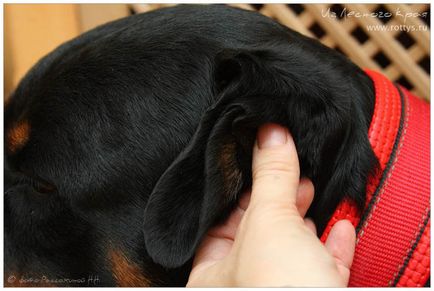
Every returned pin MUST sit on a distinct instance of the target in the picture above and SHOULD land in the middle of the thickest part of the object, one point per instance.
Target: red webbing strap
(417, 269)
(391, 247)
(401, 209)
(382, 134)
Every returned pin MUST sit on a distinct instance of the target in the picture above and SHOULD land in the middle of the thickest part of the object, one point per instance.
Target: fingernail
(271, 135)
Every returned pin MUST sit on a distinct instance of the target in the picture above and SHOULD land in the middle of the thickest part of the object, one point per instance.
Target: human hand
(266, 242)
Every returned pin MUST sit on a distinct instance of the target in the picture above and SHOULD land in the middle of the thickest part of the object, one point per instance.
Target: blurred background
(392, 38)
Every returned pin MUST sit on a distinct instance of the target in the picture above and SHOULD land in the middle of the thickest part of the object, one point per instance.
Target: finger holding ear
(275, 167)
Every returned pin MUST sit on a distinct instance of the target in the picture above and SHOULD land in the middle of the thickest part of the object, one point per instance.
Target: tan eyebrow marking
(18, 136)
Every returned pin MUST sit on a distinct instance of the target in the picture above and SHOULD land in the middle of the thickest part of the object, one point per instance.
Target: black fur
(145, 126)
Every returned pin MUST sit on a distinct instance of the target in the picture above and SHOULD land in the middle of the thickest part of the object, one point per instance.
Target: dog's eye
(38, 184)
(42, 186)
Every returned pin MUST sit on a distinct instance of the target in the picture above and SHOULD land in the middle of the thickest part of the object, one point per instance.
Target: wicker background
(403, 56)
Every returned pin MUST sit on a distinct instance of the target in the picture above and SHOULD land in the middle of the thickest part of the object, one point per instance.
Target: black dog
(124, 145)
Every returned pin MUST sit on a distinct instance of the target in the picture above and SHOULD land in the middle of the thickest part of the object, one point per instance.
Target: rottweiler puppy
(126, 144)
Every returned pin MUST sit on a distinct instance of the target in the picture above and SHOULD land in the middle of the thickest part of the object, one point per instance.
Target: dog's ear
(322, 112)
(205, 179)
(202, 181)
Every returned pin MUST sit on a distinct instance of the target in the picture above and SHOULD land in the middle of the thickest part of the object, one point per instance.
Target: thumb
(275, 170)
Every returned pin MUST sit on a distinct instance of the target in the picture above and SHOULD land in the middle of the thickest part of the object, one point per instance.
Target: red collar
(393, 230)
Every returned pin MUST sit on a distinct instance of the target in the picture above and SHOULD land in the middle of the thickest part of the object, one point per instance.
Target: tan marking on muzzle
(18, 136)
(125, 272)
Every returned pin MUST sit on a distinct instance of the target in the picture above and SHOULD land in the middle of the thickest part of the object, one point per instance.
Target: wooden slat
(141, 8)
(415, 52)
(306, 19)
(92, 15)
(328, 41)
(287, 17)
(370, 47)
(348, 24)
(394, 51)
(33, 30)
(243, 6)
(345, 41)
(392, 72)
(421, 36)
(264, 11)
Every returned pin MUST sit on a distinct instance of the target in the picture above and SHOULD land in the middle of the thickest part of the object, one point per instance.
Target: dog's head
(125, 145)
